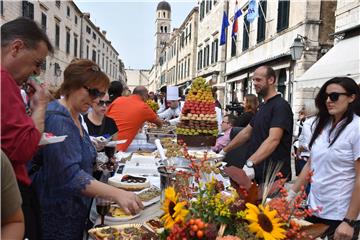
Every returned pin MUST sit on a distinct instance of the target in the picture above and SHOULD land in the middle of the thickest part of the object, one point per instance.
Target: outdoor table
(148, 213)
(153, 210)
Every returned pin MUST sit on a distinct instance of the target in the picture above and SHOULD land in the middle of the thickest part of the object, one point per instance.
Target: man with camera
(269, 132)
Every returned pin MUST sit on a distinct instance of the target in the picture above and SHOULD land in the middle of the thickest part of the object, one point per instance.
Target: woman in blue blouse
(64, 181)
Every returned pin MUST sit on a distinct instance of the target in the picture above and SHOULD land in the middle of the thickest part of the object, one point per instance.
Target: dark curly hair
(323, 116)
(115, 90)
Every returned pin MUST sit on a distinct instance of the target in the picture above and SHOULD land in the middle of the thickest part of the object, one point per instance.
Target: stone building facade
(267, 41)
(179, 55)
(210, 55)
(343, 59)
(347, 14)
(72, 34)
(175, 51)
(136, 77)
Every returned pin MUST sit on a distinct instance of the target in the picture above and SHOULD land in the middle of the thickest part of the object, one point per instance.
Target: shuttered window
(246, 28)
(261, 28)
(28, 9)
(233, 45)
(283, 15)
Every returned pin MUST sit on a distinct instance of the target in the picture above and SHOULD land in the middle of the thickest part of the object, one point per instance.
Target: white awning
(343, 60)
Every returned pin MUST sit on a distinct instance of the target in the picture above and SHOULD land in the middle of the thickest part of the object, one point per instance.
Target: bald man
(130, 113)
(269, 132)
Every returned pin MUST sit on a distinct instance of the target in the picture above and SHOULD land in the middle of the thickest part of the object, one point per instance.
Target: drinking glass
(102, 208)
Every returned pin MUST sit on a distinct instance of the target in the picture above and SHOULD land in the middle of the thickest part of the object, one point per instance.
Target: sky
(130, 25)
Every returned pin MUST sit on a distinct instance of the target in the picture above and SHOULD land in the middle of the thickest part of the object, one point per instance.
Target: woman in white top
(335, 160)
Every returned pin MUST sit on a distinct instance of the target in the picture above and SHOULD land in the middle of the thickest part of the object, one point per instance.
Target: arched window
(161, 29)
(164, 14)
(165, 29)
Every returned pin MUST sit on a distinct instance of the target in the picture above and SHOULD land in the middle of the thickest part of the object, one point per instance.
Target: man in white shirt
(172, 112)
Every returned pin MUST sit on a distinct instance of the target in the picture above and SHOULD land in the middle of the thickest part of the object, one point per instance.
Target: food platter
(116, 214)
(124, 232)
(164, 132)
(150, 195)
(200, 154)
(169, 129)
(129, 182)
(155, 225)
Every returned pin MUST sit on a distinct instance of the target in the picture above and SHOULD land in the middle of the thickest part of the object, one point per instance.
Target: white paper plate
(49, 140)
(114, 143)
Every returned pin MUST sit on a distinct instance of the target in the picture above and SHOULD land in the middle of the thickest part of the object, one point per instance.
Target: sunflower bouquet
(245, 213)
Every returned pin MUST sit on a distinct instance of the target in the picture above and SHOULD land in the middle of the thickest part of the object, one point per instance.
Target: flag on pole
(224, 25)
(253, 11)
(237, 14)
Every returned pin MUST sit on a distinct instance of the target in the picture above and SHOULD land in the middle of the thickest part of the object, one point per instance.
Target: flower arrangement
(207, 211)
(152, 104)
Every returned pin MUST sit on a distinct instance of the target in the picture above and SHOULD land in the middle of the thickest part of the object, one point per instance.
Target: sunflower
(264, 223)
(174, 210)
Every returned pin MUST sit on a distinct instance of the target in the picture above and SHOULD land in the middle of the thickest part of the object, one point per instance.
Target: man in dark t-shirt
(269, 132)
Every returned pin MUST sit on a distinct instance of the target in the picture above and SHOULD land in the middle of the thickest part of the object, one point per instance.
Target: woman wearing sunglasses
(63, 174)
(98, 124)
(335, 160)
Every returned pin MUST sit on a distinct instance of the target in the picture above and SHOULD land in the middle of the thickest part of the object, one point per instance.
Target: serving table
(145, 165)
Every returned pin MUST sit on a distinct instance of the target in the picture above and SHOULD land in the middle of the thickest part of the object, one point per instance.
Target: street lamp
(296, 51)
(297, 47)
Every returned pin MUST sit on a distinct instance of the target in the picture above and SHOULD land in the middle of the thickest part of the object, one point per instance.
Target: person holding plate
(101, 126)
(24, 47)
(62, 172)
(335, 160)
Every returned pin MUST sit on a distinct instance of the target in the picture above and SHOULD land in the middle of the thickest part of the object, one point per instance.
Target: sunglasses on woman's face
(334, 96)
(94, 93)
(104, 103)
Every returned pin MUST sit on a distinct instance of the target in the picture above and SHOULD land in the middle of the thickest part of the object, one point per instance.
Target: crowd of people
(46, 191)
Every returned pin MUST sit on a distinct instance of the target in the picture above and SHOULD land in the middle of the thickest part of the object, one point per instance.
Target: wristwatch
(249, 163)
(352, 223)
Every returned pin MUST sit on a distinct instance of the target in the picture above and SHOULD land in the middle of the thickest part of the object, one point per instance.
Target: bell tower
(162, 27)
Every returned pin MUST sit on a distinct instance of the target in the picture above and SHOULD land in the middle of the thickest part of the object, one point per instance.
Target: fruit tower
(198, 125)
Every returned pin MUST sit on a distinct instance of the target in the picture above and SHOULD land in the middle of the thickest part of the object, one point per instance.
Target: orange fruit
(199, 234)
